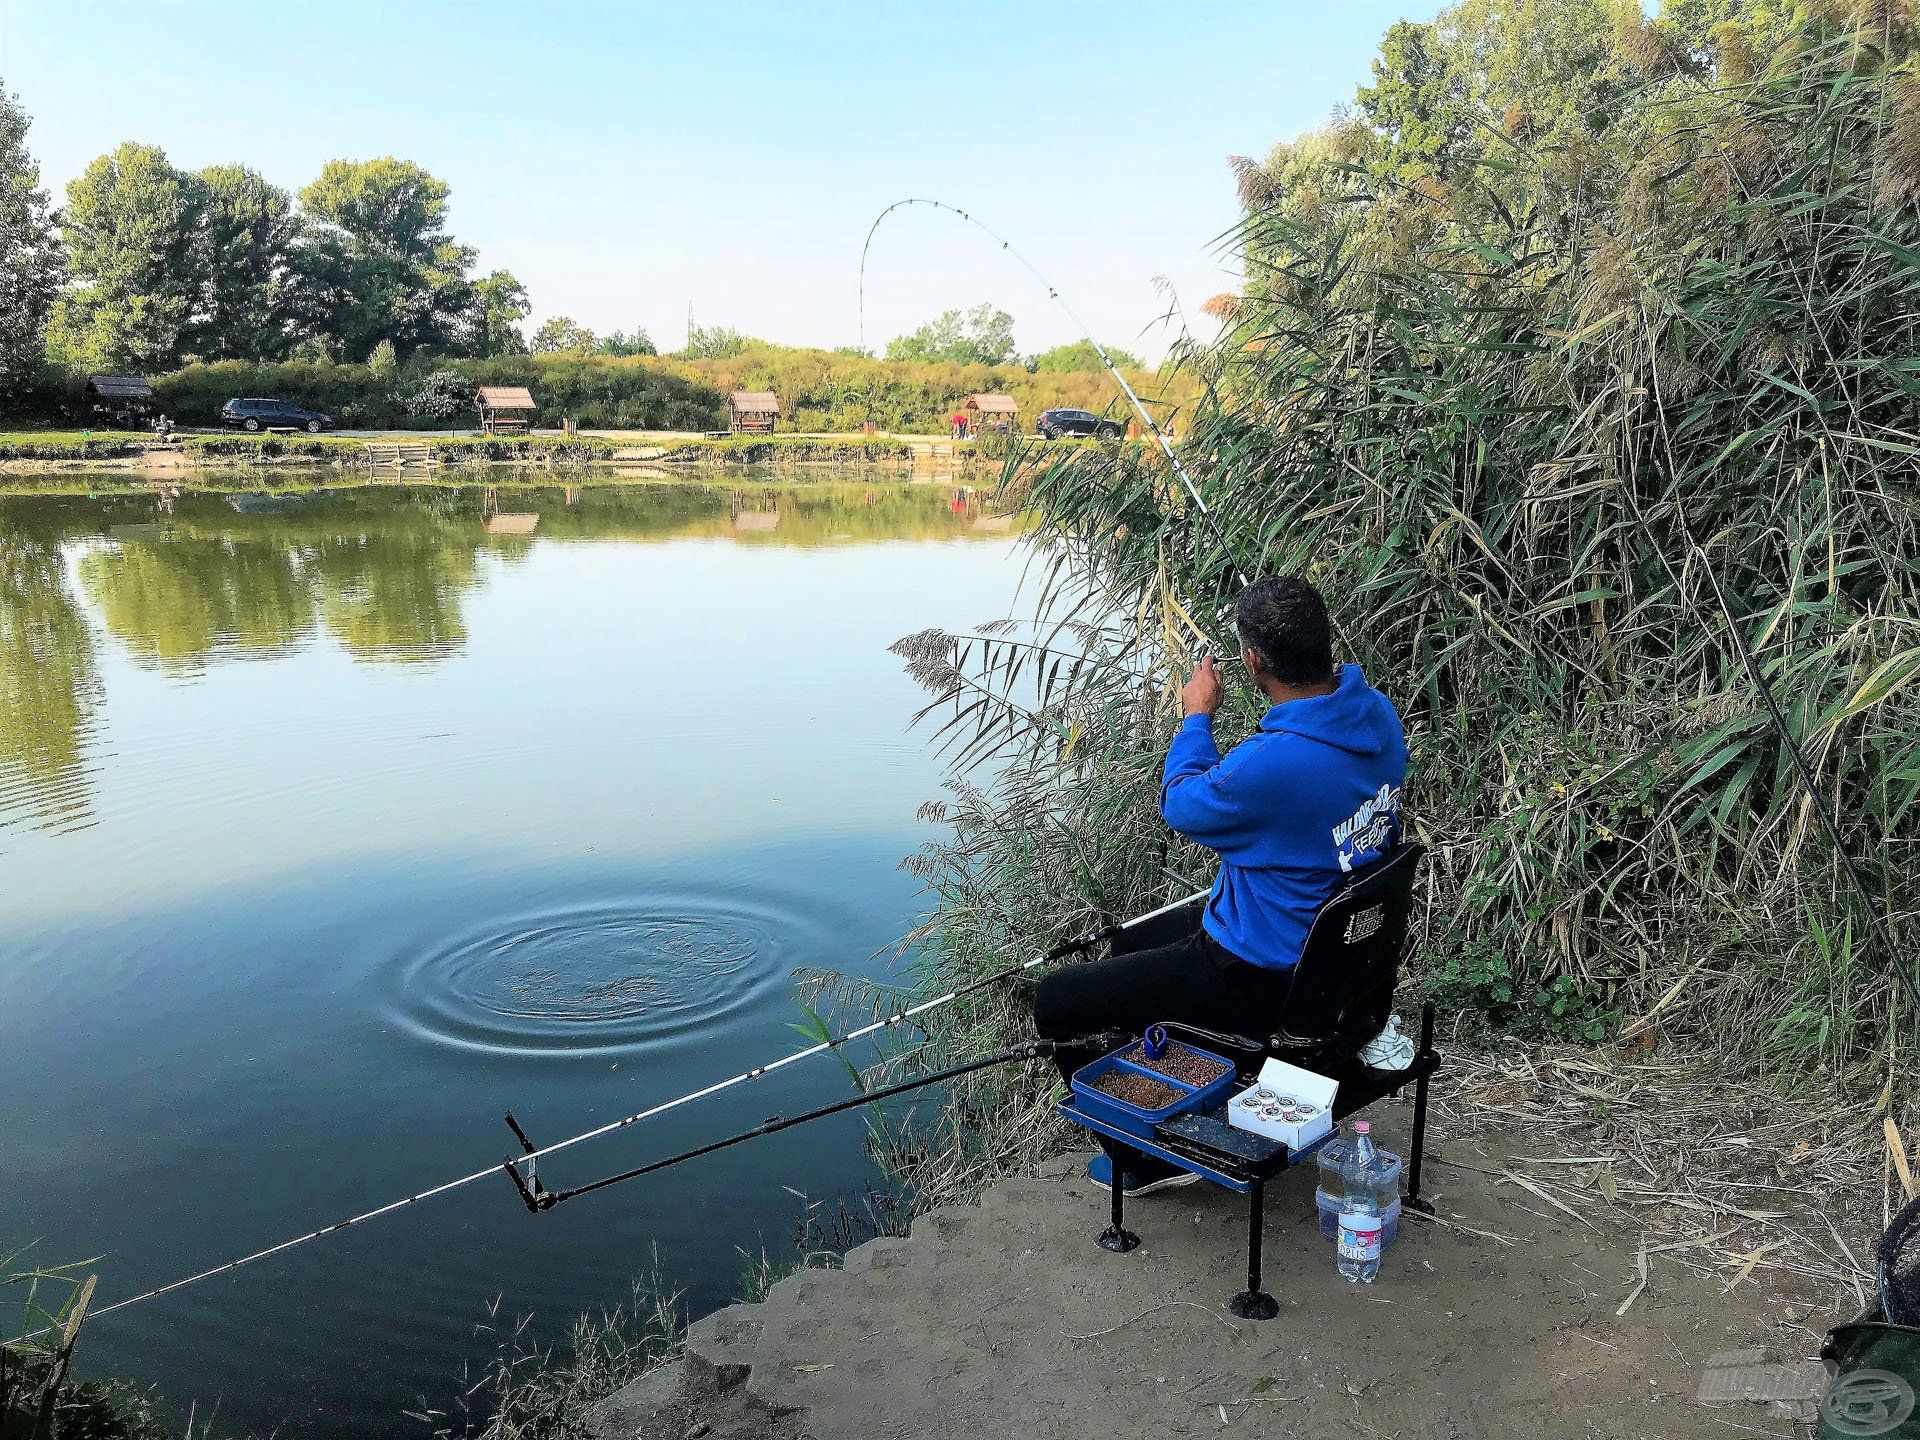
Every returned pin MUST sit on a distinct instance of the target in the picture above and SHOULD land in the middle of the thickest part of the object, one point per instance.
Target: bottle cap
(1361, 1127)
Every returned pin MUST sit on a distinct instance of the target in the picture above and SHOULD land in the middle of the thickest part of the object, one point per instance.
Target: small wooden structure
(381, 454)
(752, 412)
(504, 409)
(126, 400)
(991, 412)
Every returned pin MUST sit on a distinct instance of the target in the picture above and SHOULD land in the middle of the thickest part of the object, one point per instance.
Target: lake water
(334, 826)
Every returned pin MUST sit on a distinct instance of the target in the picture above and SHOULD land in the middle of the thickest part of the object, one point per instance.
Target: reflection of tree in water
(49, 687)
(394, 594)
(385, 571)
(177, 598)
(385, 574)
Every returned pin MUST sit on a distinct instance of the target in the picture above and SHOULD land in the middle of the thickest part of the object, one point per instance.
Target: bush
(443, 395)
(819, 390)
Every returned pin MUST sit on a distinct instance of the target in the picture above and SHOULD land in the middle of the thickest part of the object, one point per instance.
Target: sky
(629, 161)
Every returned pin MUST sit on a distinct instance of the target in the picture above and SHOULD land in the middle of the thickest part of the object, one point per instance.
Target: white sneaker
(1391, 1049)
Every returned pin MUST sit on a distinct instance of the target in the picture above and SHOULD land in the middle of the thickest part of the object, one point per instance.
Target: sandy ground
(1503, 1318)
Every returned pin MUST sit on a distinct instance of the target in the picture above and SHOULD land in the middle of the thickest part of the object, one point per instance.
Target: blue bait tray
(1131, 1118)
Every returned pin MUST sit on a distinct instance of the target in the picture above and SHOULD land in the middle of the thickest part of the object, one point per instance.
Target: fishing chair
(1340, 998)
(1343, 984)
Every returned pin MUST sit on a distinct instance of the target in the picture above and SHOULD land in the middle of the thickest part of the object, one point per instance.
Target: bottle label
(1359, 1236)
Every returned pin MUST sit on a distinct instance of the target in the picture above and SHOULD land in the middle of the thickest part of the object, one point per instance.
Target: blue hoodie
(1309, 796)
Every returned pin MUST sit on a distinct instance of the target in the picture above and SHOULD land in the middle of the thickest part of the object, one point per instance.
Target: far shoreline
(410, 454)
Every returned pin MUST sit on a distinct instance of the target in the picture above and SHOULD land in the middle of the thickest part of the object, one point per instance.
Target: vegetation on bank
(70, 445)
(1515, 373)
(819, 390)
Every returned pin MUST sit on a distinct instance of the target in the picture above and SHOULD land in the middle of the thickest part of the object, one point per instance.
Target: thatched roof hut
(504, 409)
(126, 398)
(752, 412)
(995, 410)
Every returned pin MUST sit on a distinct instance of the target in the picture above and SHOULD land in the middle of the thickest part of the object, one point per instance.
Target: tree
(29, 258)
(441, 396)
(502, 305)
(622, 343)
(131, 228)
(246, 247)
(713, 342)
(982, 336)
(561, 335)
(377, 263)
(383, 362)
(1419, 102)
(1080, 355)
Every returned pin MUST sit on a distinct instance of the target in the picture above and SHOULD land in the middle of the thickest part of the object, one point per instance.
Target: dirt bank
(1505, 1316)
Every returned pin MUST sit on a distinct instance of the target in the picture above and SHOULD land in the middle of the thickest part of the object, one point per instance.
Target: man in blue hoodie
(1310, 796)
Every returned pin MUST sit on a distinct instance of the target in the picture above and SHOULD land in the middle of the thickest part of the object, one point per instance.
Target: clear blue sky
(626, 159)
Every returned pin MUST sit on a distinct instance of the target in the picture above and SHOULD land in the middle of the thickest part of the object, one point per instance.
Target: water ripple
(606, 979)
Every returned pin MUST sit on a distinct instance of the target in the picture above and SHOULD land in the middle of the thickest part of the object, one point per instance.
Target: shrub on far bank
(598, 391)
(819, 390)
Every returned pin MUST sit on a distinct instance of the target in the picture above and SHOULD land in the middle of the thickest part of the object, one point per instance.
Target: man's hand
(1202, 694)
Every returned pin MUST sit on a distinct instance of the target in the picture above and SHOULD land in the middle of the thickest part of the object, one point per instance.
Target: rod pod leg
(1253, 1303)
(1116, 1237)
(1415, 1201)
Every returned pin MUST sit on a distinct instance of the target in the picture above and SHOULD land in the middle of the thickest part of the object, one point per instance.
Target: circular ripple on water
(611, 978)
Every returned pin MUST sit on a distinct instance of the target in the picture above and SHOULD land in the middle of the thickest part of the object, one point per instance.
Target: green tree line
(350, 295)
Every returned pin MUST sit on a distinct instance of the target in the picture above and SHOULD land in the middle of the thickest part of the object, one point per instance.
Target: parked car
(1053, 424)
(253, 416)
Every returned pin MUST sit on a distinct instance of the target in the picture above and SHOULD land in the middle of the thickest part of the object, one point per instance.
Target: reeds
(1511, 426)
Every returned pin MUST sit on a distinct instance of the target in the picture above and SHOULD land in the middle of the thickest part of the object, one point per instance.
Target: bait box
(1131, 1118)
(1287, 1080)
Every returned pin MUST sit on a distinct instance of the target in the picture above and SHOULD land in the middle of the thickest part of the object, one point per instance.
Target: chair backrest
(1342, 989)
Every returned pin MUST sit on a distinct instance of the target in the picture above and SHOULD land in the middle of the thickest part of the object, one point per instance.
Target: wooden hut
(123, 400)
(752, 412)
(504, 409)
(991, 412)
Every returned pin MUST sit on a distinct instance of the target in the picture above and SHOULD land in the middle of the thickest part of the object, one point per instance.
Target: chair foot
(1254, 1305)
(1417, 1205)
(1116, 1239)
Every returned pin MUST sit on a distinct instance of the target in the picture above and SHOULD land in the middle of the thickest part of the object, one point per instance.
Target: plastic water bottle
(1330, 1194)
(1360, 1218)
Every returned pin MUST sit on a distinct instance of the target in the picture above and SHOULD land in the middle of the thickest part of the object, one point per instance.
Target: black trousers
(1189, 977)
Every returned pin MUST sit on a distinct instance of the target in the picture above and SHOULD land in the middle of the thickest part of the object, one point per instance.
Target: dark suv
(254, 416)
(1053, 424)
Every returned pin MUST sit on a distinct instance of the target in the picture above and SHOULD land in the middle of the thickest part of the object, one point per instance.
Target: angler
(1311, 797)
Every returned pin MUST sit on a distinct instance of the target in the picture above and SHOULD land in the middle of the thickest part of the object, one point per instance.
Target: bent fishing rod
(537, 1197)
(532, 1155)
(1053, 294)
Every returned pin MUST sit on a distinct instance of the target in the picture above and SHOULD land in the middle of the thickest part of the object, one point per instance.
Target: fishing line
(1058, 952)
(1053, 294)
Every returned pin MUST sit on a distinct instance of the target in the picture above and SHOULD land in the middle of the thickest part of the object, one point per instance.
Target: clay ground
(1503, 1318)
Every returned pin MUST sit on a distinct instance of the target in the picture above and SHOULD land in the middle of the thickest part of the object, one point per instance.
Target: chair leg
(1415, 1201)
(1116, 1237)
(1253, 1303)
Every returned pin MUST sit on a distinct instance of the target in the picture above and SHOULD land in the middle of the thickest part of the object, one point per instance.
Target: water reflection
(49, 686)
(185, 581)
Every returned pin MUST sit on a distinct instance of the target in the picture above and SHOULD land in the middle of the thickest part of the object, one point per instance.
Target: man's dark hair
(1284, 620)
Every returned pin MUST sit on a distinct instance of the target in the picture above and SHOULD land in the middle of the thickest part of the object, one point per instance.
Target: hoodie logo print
(1361, 837)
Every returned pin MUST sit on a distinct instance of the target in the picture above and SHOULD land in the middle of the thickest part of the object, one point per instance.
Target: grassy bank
(72, 445)
(67, 448)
